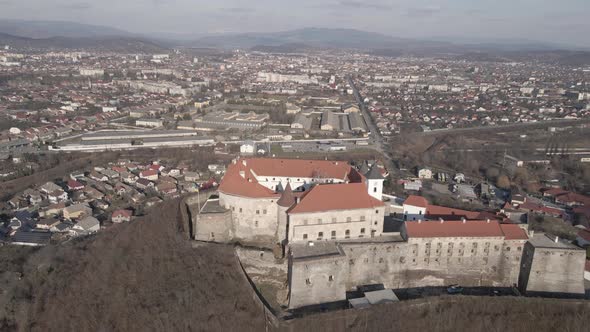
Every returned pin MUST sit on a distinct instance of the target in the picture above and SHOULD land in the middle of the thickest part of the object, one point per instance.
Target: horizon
(449, 19)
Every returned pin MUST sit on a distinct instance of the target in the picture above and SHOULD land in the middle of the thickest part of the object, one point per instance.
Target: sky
(555, 21)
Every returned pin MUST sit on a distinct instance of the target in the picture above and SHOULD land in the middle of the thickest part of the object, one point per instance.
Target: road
(376, 139)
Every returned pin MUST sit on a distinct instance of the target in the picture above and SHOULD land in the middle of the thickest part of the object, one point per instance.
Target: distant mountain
(114, 44)
(316, 37)
(49, 29)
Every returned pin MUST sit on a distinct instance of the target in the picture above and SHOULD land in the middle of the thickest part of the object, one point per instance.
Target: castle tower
(374, 181)
(286, 201)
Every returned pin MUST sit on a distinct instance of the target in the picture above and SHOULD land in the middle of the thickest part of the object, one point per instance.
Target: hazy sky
(561, 21)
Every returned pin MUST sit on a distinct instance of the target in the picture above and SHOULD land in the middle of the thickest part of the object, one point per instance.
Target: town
(340, 179)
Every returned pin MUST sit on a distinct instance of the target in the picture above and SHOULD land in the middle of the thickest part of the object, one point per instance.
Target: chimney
(557, 239)
(531, 233)
(235, 161)
(244, 162)
(441, 220)
(488, 220)
(463, 219)
(243, 174)
(249, 179)
(419, 221)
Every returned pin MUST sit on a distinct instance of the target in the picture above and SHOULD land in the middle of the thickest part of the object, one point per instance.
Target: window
(257, 211)
(375, 189)
(308, 282)
(256, 223)
(333, 219)
(240, 210)
(320, 235)
(330, 278)
(348, 219)
(305, 221)
(319, 220)
(212, 235)
(233, 208)
(347, 234)
(333, 235)
(362, 231)
(377, 212)
(263, 211)
(305, 236)
(362, 218)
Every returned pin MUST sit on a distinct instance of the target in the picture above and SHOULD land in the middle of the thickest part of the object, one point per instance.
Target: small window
(377, 212)
(348, 219)
(320, 235)
(347, 234)
(362, 231)
(331, 278)
(333, 235)
(305, 236)
(362, 218)
(334, 219)
(257, 211)
(256, 223)
(319, 220)
(240, 210)
(233, 208)
(263, 211)
(308, 282)
(212, 235)
(375, 189)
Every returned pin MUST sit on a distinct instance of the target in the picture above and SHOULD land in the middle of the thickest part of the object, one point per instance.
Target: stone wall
(353, 221)
(552, 270)
(213, 227)
(254, 220)
(416, 263)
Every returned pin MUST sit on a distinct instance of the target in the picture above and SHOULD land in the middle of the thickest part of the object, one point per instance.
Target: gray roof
(374, 173)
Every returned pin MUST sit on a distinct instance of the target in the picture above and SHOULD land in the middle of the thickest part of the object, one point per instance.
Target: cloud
(77, 6)
(363, 5)
(238, 10)
(427, 11)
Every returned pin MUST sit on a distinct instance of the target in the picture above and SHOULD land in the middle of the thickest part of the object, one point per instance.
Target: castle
(328, 218)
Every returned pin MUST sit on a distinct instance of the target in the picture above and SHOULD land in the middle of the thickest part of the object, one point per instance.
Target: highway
(376, 139)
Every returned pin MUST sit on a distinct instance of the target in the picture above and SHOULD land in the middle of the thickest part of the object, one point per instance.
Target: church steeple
(287, 198)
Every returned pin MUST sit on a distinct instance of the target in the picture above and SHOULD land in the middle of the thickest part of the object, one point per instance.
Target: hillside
(114, 44)
(49, 29)
(140, 276)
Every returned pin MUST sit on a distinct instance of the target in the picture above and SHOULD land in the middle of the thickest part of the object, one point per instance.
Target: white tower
(374, 182)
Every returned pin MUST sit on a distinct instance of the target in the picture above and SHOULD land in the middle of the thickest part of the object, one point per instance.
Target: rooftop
(327, 197)
(542, 240)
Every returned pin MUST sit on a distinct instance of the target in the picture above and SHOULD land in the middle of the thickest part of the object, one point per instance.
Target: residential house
(57, 196)
(144, 184)
(87, 225)
(121, 216)
(149, 174)
(425, 173)
(52, 210)
(77, 211)
(74, 185)
(47, 223)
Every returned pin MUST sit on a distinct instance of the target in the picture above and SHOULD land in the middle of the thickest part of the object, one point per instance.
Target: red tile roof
(418, 201)
(513, 232)
(329, 197)
(428, 229)
(234, 184)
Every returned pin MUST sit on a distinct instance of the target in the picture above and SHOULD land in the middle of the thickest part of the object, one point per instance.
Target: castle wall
(354, 221)
(416, 263)
(253, 219)
(213, 227)
(553, 270)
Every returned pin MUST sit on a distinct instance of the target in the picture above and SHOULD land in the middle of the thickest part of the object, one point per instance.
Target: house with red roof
(149, 174)
(120, 216)
(74, 185)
